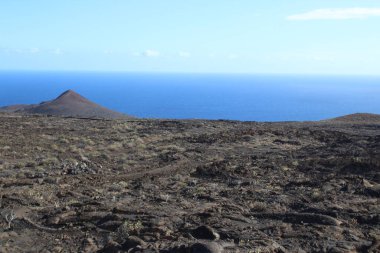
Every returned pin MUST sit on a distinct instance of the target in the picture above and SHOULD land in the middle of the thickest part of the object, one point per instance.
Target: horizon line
(191, 73)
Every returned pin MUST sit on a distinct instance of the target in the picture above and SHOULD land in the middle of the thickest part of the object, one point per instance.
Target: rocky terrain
(86, 185)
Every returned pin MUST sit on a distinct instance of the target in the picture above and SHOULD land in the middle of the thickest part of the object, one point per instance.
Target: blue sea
(203, 96)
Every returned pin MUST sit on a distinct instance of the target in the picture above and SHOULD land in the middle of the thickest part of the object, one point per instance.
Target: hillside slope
(68, 104)
(358, 118)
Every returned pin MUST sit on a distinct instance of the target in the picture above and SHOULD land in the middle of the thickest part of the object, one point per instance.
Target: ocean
(203, 96)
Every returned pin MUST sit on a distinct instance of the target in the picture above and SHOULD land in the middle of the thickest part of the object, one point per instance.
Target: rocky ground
(80, 185)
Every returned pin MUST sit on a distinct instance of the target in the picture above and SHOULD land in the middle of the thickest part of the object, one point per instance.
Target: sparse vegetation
(264, 187)
(8, 216)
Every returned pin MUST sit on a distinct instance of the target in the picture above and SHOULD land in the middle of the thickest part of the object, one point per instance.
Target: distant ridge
(68, 104)
(358, 117)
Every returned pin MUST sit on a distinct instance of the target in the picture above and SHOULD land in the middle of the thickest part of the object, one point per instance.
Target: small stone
(110, 225)
(133, 241)
(111, 247)
(4, 236)
(52, 180)
(366, 183)
(203, 247)
(57, 249)
(53, 220)
(89, 245)
(179, 249)
(373, 191)
(205, 232)
(13, 234)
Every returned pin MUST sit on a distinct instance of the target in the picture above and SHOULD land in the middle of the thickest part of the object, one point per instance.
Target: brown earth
(68, 104)
(81, 185)
(359, 118)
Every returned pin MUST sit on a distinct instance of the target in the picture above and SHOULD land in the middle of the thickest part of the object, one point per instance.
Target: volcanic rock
(205, 232)
(68, 104)
(206, 247)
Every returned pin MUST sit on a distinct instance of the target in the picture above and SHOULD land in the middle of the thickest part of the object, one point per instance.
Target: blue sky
(224, 36)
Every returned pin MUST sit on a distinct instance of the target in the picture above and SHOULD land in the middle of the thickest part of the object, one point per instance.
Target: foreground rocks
(76, 185)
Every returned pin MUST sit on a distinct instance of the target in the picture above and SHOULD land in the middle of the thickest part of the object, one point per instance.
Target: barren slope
(77, 185)
(359, 118)
(70, 104)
